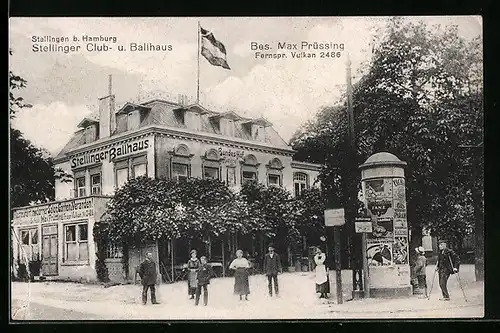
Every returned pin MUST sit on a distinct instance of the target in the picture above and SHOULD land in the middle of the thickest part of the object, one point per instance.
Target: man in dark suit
(147, 272)
(448, 263)
(272, 266)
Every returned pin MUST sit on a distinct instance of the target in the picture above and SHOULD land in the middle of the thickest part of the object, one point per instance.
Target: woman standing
(192, 266)
(322, 281)
(240, 266)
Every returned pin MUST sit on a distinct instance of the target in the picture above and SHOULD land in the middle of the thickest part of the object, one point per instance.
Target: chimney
(107, 121)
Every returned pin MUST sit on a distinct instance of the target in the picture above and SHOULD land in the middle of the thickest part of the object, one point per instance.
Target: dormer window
(190, 116)
(133, 120)
(256, 128)
(90, 133)
(131, 115)
(224, 123)
(90, 127)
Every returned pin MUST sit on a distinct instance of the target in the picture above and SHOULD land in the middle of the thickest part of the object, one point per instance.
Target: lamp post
(356, 256)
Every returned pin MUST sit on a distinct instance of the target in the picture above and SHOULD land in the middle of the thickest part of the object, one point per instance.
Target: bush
(22, 272)
(101, 270)
(34, 267)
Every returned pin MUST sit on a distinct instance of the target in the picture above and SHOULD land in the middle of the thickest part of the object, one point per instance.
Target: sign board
(363, 227)
(119, 150)
(363, 224)
(56, 211)
(334, 217)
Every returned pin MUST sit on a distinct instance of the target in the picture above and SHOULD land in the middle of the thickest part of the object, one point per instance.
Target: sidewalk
(297, 301)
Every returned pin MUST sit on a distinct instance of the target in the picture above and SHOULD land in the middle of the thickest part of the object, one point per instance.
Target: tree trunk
(415, 241)
(479, 235)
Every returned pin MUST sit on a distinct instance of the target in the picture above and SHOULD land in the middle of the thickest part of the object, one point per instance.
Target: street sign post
(364, 225)
(335, 218)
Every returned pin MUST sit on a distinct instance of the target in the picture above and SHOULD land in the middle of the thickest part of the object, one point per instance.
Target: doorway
(49, 251)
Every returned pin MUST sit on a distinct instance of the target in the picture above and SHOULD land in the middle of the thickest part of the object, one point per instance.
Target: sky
(64, 88)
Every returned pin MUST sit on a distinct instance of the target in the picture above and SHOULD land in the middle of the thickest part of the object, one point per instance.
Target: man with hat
(448, 263)
(420, 265)
(272, 266)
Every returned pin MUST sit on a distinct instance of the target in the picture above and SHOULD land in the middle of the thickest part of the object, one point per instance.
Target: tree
(32, 171)
(419, 100)
(146, 209)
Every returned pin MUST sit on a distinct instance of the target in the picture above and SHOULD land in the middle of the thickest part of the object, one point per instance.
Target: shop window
(80, 187)
(300, 181)
(76, 242)
(210, 173)
(95, 181)
(180, 171)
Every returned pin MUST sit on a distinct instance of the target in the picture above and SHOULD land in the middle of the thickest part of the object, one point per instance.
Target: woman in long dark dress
(241, 267)
(192, 266)
(322, 281)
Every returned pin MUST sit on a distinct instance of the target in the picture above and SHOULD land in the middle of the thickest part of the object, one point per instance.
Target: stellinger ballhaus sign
(110, 154)
(56, 211)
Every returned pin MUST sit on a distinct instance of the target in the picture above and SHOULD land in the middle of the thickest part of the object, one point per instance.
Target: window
(34, 236)
(300, 182)
(25, 237)
(139, 170)
(133, 120)
(80, 187)
(114, 252)
(90, 133)
(179, 171)
(231, 176)
(273, 180)
(210, 173)
(95, 181)
(249, 176)
(121, 177)
(76, 242)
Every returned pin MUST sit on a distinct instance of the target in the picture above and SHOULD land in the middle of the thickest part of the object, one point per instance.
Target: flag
(213, 50)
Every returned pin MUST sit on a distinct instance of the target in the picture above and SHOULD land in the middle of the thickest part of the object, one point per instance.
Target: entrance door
(49, 250)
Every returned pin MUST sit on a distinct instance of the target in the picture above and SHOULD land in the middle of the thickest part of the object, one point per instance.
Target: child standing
(204, 273)
(420, 266)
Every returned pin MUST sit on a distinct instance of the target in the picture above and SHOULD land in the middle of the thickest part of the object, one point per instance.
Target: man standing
(448, 263)
(272, 266)
(147, 272)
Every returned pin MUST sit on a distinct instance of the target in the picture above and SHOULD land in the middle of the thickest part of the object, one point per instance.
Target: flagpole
(198, 84)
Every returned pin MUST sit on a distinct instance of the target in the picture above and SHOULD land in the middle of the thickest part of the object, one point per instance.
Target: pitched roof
(162, 113)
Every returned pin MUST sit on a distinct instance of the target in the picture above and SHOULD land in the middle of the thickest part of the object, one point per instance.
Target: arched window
(249, 168)
(274, 172)
(300, 182)
(181, 162)
(211, 165)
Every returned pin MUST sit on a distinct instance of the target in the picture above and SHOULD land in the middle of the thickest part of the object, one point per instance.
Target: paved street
(74, 301)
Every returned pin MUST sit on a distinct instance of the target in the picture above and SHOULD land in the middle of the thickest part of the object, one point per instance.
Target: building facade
(159, 139)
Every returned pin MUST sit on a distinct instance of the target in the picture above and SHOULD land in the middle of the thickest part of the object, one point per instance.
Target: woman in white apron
(192, 267)
(322, 281)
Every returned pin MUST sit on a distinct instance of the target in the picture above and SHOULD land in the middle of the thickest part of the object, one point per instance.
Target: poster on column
(399, 204)
(379, 254)
(400, 250)
(378, 193)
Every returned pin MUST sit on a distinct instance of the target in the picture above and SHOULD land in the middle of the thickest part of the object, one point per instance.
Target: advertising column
(383, 184)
